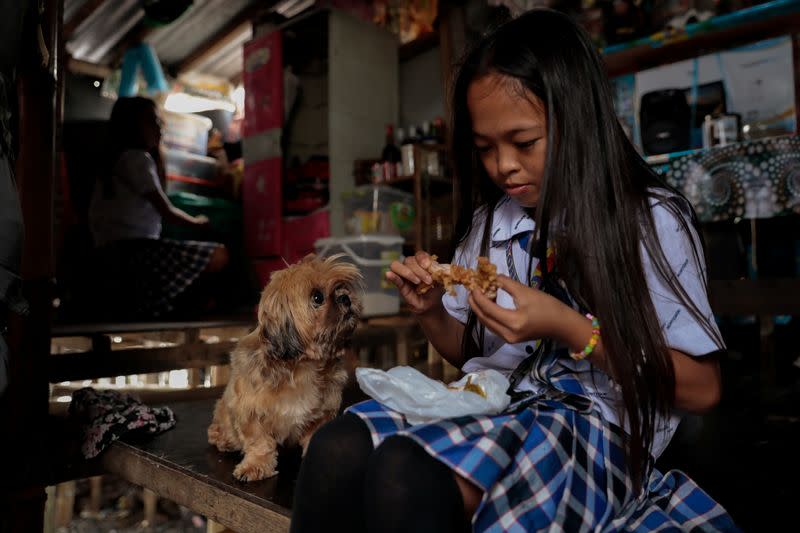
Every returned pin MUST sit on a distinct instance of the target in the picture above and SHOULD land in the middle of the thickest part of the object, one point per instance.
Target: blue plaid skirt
(552, 467)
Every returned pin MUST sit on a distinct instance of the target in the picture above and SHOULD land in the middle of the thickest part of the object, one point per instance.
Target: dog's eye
(317, 297)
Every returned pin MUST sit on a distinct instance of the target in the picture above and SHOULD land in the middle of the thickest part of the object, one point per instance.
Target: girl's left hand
(537, 314)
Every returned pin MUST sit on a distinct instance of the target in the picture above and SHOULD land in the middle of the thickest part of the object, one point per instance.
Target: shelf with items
(433, 191)
(764, 21)
(434, 197)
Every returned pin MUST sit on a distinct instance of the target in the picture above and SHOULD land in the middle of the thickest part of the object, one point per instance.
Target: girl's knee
(396, 456)
(343, 440)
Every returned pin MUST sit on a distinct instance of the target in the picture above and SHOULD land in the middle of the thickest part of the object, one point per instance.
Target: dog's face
(309, 309)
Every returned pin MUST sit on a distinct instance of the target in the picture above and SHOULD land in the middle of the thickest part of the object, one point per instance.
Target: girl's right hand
(408, 275)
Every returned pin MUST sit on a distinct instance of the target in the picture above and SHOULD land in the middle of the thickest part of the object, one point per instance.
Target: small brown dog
(287, 375)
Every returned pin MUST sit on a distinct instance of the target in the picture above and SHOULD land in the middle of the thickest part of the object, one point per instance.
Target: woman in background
(143, 275)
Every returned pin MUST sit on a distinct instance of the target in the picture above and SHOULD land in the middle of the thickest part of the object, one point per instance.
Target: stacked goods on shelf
(193, 182)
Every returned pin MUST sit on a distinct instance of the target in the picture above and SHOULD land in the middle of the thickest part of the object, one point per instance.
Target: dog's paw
(254, 471)
(219, 438)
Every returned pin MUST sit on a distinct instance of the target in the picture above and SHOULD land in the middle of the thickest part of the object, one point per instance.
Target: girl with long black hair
(602, 323)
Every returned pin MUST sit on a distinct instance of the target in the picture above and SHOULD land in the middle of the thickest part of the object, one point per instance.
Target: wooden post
(452, 43)
(220, 374)
(95, 495)
(25, 405)
(192, 337)
(65, 503)
(150, 499)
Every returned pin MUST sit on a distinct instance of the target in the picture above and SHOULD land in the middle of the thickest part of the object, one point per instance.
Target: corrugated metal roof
(99, 33)
(226, 62)
(103, 29)
(200, 22)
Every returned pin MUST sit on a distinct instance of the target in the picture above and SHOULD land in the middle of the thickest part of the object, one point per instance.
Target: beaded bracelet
(595, 338)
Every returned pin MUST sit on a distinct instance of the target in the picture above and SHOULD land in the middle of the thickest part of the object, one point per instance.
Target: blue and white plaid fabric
(552, 467)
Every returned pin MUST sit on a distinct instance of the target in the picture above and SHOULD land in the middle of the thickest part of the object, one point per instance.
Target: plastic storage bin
(190, 165)
(378, 209)
(372, 254)
(225, 218)
(185, 131)
(199, 186)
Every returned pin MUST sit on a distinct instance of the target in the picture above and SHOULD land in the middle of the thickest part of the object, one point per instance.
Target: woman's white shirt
(126, 213)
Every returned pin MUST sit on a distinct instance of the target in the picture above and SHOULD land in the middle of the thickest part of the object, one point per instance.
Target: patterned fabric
(147, 275)
(553, 467)
(753, 179)
(106, 416)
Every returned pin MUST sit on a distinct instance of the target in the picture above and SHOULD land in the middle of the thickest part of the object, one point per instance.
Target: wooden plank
(23, 406)
(647, 56)
(90, 329)
(88, 69)
(181, 466)
(213, 502)
(755, 297)
(150, 396)
(97, 364)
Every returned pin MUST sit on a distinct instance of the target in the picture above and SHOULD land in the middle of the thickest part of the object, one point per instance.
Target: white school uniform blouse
(682, 332)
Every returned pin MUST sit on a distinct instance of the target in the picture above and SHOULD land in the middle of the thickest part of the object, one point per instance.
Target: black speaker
(664, 120)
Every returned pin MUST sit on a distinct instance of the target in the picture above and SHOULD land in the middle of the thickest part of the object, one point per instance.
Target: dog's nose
(343, 299)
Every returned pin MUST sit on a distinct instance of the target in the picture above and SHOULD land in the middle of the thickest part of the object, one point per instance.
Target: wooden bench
(81, 353)
(181, 346)
(179, 464)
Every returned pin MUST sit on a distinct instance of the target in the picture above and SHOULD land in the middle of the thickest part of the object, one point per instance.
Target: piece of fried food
(483, 278)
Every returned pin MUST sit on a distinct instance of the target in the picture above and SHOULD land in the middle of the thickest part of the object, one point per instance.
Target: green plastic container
(225, 219)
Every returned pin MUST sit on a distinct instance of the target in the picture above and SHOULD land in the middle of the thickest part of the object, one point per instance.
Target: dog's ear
(282, 340)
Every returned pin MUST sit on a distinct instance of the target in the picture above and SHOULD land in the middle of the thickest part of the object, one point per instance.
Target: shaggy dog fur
(287, 375)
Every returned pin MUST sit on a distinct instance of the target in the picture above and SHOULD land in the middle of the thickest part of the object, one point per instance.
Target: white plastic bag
(422, 399)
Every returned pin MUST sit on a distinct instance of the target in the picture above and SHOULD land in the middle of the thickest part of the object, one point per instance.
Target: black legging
(346, 485)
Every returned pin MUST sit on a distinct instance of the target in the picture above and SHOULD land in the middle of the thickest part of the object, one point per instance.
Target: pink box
(263, 208)
(300, 234)
(264, 268)
(263, 84)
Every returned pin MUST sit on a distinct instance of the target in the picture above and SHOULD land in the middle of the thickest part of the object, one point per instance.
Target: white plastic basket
(373, 254)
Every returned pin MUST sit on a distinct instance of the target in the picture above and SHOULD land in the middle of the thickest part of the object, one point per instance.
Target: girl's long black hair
(125, 133)
(594, 206)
